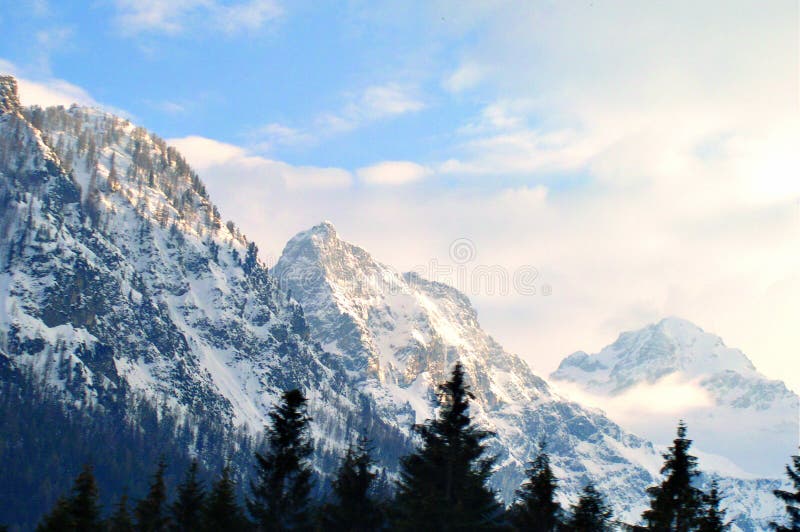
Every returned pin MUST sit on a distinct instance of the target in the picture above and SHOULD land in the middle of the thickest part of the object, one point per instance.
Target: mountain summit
(739, 413)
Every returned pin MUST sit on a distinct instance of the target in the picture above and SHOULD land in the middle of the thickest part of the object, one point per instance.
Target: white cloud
(465, 77)
(272, 135)
(375, 102)
(387, 100)
(204, 153)
(361, 108)
(393, 173)
(175, 16)
(246, 15)
(670, 395)
(233, 163)
(47, 92)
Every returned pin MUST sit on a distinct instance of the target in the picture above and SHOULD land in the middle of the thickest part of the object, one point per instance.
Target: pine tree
(84, 507)
(120, 520)
(591, 514)
(151, 515)
(281, 495)
(354, 509)
(187, 510)
(675, 504)
(59, 519)
(443, 484)
(222, 512)
(536, 508)
(792, 499)
(712, 518)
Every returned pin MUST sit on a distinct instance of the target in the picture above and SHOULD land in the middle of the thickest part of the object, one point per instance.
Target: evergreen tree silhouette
(712, 518)
(281, 494)
(222, 512)
(81, 512)
(675, 504)
(120, 520)
(84, 507)
(791, 499)
(443, 484)
(151, 512)
(591, 514)
(187, 510)
(59, 519)
(353, 508)
(536, 508)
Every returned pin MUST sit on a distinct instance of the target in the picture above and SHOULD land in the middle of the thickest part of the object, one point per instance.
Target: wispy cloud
(173, 17)
(360, 109)
(272, 135)
(465, 77)
(393, 173)
(373, 103)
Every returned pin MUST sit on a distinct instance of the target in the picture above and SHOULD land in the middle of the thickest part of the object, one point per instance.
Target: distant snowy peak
(677, 347)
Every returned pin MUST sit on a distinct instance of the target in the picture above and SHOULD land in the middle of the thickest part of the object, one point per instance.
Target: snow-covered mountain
(733, 411)
(398, 334)
(118, 276)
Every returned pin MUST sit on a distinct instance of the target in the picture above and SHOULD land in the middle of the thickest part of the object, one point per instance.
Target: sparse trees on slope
(791, 499)
(280, 495)
(151, 512)
(443, 486)
(675, 504)
(187, 510)
(353, 508)
(712, 518)
(591, 514)
(536, 508)
(222, 512)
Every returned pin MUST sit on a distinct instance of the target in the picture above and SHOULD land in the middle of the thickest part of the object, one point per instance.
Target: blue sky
(641, 156)
(182, 73)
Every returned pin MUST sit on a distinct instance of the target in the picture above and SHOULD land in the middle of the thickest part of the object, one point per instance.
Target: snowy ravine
(117, 275)
(398, 334)
(732, 410)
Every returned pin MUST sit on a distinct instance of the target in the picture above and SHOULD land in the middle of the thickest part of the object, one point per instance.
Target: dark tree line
(443, 485)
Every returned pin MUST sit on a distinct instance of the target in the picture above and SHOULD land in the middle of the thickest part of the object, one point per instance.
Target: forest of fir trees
(442, 485)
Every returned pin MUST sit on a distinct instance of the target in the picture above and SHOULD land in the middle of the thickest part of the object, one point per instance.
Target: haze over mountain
(675, 369)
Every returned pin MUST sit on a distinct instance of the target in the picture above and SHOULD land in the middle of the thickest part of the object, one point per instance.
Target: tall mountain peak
(322, 232)
(716, 388)
(653, 352)
(9, 95)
